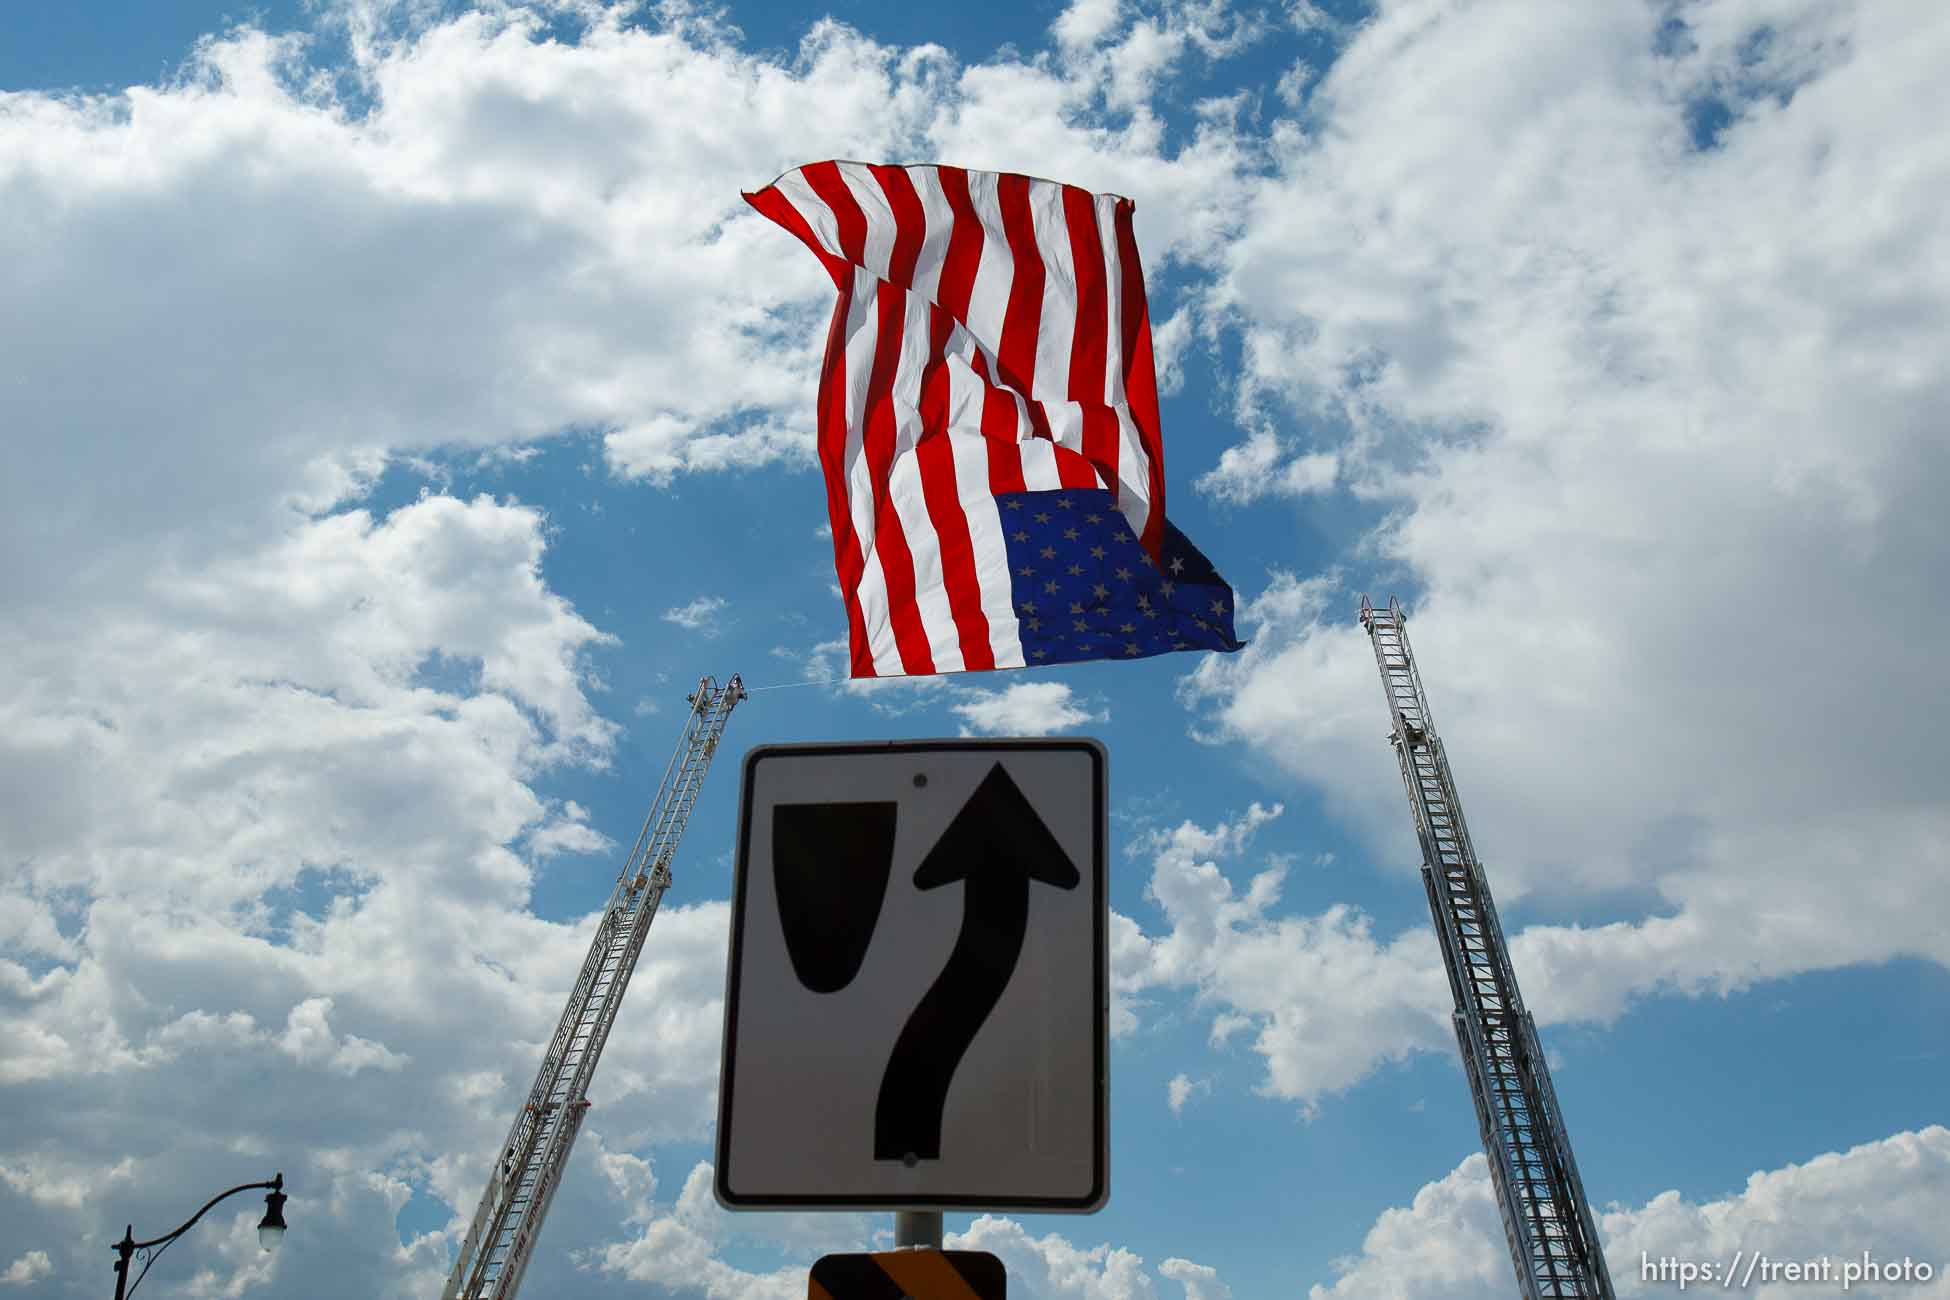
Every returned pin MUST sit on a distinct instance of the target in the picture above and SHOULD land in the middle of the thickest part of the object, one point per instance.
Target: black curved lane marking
(995, 846)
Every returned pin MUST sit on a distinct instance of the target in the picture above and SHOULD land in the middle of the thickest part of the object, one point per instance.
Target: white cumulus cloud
(701, 615)
(1652, 427)
(1325, 1000)
(1889, 1198)
(1052, 1267)
(30, 1267)
(679, 1247)
(1180, 1089)
(1023, 709)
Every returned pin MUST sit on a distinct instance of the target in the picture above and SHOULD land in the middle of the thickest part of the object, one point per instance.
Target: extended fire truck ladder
(529, 1168)
(1546, 1219)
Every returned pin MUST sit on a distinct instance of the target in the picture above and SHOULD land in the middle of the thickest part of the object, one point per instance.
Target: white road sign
(918, 997)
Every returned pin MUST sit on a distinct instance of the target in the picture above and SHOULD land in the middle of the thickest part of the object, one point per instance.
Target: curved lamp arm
(129, 1245)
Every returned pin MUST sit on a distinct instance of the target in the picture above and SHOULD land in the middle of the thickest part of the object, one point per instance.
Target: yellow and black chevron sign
(910, 1275)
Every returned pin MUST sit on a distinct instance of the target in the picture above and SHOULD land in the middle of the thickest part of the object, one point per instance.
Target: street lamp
(270, 1231)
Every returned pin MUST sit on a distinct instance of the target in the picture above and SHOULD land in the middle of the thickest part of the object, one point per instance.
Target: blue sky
(379, 403)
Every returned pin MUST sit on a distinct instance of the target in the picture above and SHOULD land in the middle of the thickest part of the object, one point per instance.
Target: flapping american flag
(988, 424)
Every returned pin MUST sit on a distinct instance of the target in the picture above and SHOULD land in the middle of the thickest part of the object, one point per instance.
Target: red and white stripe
(991, 336)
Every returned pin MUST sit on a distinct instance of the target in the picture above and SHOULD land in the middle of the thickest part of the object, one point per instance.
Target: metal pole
(917, 1230)
(123, 1249)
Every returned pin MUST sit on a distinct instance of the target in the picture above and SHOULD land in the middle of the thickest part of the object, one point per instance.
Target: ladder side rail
(463, 1261)
(539, 1134)
(535, 1132)
(1469, 1016)
(663, 844)
(522, 1250)
(1467, 847)
(1517, 1227)
(1441, 907)
(675, 809)
(617, 960)
(622, 906)
(615, 953)
(605, 1015)
(517, 1190)
(577, 1006)
(658, 802)
(1400, 678)
(1482, 1030)
(471, 1265)
(491, 1215)
(1395, 622)
(498, 1201)
(575, 1048)
(1535, 1211)
(700, 745)
(659, 880)
(1496, 1132)
(1417, 802)
(1492, 923)
(576, 1059)
(1543, 1199)
(657, 824)
(1400, 621)
(643, 835)
(1591, 1252)
(1384, 636)
(527, 1192)
(1444, 935)
(1488, 1133)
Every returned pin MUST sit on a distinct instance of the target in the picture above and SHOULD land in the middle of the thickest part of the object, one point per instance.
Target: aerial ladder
(501, 1240)
(1546, 1219)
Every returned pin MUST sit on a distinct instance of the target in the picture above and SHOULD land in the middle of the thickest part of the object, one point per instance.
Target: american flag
(988, 424)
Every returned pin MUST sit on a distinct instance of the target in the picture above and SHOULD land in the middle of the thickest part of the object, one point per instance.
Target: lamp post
(270, 1231)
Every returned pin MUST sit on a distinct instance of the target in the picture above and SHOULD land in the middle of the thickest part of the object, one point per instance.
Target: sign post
(917, 1229)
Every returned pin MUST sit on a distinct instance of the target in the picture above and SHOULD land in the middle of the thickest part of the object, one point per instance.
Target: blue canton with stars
(1085, 589)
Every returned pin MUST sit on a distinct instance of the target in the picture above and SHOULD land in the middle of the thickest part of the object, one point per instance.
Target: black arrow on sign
(995, 845)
